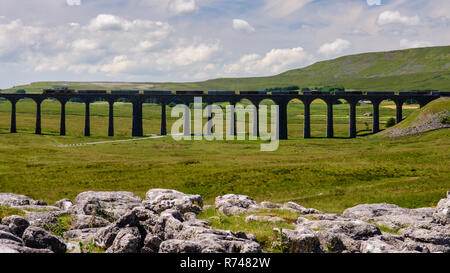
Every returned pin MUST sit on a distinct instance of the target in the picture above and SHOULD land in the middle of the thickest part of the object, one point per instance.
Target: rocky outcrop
(35, 237)
(441, 214)
(17, 224)
(17, 200)
(64, 204)
(232, 204)
(160, 200)
(109, 205)
(166, 222)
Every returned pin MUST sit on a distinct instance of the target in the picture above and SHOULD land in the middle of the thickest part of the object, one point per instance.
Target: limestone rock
(270, 219)
(84, 222)
(180, 246)
(355, 229)
(16, 200)
(389, 215)
(152, 244)
(9, 237)
(43, 218)
(85, 235)
(231, 204)
(64, 204)
(376, 245)
(441, 214)
(298, 241)
(39, 238)
(160, 200)
(17, 248)
(300, 209)
(107, 204)
(127, 240)
(17, 224)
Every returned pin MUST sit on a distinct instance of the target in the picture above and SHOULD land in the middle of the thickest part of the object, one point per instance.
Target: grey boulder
(127, 240)
(39, 238)
(107, 204)
(231, 204)
(441, 214)
(17, 224)
(160, 200)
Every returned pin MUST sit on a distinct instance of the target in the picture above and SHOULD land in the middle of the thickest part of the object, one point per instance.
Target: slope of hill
(435, 115)
(410, 69)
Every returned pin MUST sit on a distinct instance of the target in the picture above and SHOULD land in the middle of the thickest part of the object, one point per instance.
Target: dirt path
(107, 141)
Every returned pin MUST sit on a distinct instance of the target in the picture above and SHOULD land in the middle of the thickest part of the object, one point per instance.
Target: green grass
(327, 174)
(410, 69)
(262, 230)
(8, 211)
(418, 116)
(90, 247)
(63, 224)
(390, 230)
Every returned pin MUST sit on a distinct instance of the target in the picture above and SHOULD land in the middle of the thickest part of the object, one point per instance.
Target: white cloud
(334, 48)
(84, 45)
(187, 55)
(108, 22)
(73, 2)
(374, 2)
(275, 61)
(242, 25)
(182, 6)
(16, 38)
(394, 17)
(404, 43)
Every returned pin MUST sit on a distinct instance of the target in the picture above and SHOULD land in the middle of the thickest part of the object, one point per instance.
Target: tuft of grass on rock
(90, 247)
(394, 231)
(264, 231)
(63, 224)
(8, 211)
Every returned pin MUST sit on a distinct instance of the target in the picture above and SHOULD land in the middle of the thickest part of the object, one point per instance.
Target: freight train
(222, 92)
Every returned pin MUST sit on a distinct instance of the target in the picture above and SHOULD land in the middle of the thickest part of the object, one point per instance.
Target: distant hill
(409, 69)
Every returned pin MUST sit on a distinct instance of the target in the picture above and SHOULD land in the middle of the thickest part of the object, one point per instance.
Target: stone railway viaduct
(281, 100)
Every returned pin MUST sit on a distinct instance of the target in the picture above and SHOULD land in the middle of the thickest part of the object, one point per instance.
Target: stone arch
(318, 113)
(295, 117)
(120, 115)
(245, 123)
(265, 123)
(20, 105)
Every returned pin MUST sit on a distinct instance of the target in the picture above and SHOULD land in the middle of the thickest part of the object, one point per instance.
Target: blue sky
(191, 40)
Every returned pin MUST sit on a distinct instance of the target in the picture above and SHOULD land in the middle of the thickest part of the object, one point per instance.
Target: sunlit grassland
(327, 174)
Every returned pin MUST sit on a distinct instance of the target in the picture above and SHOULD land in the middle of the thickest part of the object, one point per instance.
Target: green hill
(435, 115)
(410, 69)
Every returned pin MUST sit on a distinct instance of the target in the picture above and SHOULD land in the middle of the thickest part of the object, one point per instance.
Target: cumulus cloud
(16, 38)
(274, 61)
(404, 43)
(394, 17)
(242, 25)
(182, 56)
(73, 2)
(182, 6)
(107, 45)
(334, 48)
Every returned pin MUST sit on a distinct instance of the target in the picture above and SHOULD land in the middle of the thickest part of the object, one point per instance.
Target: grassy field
(409, 69)
(327, 174)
